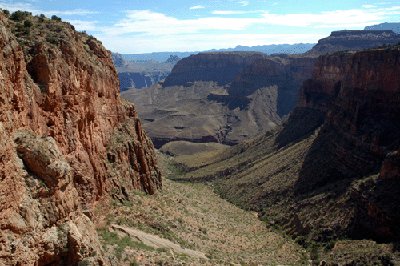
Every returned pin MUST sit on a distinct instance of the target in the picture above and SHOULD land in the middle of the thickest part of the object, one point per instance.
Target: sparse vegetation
(202, 222)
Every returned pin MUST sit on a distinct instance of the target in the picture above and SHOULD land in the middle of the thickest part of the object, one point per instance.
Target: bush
(42, 17)
(52, 39)
(19, 15)
(28, 23)
(6, 12)
(55, 18)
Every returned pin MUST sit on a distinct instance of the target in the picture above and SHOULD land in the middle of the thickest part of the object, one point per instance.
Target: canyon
(314, 164)
(222, 97)
(68, 142)
(331, 170)
(227, 97)
(141, 73)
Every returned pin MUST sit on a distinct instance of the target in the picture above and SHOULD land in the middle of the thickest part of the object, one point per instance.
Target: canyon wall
(60, 115)
(354, 40)
(360, 94)
(221, 97)
(137, 80)
(331, 169)
(220, 67)
(134, 74)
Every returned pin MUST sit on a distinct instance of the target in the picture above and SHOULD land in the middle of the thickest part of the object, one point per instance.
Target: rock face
(60, 108)
(354, 40)
(136, 80)
(139, 74)
(222, 97)
(118, 60)
(360, 94)
(220, 67)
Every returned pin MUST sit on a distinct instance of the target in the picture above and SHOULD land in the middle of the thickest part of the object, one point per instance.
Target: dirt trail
(157, 242)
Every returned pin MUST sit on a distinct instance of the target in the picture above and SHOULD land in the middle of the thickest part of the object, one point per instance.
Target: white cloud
(199, 42)
(232, 12)
(34, 11)
(393, 8)
(151, 23)
(227, 12)
(17, 6)
(84, 25)
(145, 21)
(196, 7)
(368, 6)
(329, 19)
(146, 31)
(244, 3)
(72, 12)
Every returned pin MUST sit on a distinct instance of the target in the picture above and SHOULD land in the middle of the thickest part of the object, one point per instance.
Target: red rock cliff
(60, 112)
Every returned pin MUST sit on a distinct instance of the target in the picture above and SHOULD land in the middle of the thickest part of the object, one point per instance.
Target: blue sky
(195, 25)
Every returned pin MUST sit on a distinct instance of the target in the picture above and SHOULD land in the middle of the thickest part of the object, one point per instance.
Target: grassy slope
(192, 215)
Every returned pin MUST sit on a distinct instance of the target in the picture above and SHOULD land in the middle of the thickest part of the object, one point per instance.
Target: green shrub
(19, 15)
(42, 17)
(52, 39)
(6, 12)
(28, 23)
(55, 18)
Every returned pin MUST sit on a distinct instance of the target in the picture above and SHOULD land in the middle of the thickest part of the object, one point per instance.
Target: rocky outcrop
(354, 40)
(60, 104)
(249, 91)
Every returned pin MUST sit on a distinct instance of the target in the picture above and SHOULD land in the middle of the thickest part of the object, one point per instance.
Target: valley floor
(208, 229)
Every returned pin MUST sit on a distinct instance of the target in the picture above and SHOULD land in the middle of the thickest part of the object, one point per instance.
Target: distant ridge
(394, 26)
(354, 40)
(297, 48)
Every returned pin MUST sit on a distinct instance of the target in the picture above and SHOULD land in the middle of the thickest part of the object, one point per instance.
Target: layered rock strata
(223, 97)
(60, 105)
(354, 40)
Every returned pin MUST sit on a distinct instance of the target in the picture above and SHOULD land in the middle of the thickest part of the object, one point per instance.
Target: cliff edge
(63, 142)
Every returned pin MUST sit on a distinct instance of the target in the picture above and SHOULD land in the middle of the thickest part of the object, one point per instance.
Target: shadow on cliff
(287, 89)
(338, 160)
(301, 123)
